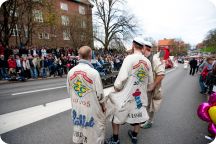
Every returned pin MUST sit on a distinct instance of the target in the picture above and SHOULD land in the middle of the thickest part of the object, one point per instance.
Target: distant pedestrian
(211, 80)
(86, 92)
(204, 69)
(193, 66)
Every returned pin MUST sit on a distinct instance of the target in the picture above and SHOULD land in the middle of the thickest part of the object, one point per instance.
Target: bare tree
(8, 20)
(78, 31)
(18, 19)
(112, 20)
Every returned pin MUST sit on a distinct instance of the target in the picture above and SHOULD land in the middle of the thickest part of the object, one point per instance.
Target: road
(175, 123)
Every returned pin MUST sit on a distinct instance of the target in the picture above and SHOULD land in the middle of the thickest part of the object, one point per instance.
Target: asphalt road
(175, 123)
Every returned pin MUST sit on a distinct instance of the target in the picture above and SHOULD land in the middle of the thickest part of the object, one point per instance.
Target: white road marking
(33, 91)
(1, 141)
(17, 119)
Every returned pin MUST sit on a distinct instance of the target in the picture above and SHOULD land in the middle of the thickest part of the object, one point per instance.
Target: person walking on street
(154, 93)
(130, 99)
(3, 68)
(87, 97)
(204, 68)
(193, 66)
(211, 80)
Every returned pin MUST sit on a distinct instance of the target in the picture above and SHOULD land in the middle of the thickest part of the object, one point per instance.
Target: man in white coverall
(130, 98)
(154, 94)
(86, 91)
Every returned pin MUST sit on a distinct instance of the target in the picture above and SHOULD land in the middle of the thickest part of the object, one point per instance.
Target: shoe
(111, 141)
(146, 125)
(133, 139)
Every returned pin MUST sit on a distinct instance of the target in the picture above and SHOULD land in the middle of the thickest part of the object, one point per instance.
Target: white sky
(189, 20)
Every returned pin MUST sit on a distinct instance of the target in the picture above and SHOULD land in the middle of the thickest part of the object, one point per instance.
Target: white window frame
(83, 24)
(38, 15)
(82, 10)
(15, 31)
(15, 14)
(37, 0)
(43, 35)
(66, 35)
(26, 31)
(65, 20)
(64, 6)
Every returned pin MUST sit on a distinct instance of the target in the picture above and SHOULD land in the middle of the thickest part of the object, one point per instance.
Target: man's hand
(116, 89)
(151, 87)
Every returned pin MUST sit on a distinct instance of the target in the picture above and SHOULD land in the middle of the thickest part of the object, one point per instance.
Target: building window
(40, 1)
(14, 31)
(38, 17)
(83, 24)
(65, 20)
(12, 13)
(26, 31)
(82, 10)
(43, 36)
(66, 35)
(64, 6)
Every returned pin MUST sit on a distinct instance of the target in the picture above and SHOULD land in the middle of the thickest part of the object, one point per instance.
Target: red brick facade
(55, 37)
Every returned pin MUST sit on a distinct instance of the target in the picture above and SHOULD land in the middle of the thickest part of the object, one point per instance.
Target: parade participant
(86, 91)
(204, 68)
(130, 98)
(193, 66)
(154, 94)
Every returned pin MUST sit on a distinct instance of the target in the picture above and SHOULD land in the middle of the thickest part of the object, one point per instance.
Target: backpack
(204, 73)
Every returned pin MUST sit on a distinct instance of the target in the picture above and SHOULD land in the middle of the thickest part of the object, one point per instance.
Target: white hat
(148, 43)
(139, 41)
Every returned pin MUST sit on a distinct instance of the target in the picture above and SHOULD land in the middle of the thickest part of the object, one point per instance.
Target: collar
(86, 62)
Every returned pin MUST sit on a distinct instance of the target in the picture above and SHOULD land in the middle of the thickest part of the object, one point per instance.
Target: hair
(214, 69)
(84, 52)
(209, 59)
(137, 45)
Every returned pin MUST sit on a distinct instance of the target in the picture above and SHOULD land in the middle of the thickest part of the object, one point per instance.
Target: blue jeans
(3, 73)
(44, 72)
(34, 73)
(202, 85)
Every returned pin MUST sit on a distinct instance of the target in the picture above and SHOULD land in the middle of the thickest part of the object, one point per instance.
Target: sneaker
(133, 139)
(111, 141)
(146, 125)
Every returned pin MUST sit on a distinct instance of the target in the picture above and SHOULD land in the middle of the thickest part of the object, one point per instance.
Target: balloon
(212, 98)
(212, 114)
(203, 112)
(212, 128)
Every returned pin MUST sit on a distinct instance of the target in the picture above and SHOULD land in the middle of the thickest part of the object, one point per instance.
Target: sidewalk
(31, 79)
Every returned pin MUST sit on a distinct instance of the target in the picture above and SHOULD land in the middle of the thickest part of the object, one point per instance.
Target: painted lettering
(135, 115)
(81, 102)
(81, 120)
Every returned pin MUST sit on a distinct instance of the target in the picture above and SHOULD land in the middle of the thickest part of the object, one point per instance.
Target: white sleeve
(159, 67)
(123, 74)
(99, 88)
(150, 76)
(68, 83)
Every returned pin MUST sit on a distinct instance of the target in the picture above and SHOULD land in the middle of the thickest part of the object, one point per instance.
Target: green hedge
(209, 49)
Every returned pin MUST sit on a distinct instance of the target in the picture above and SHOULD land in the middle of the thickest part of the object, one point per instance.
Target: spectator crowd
(41, 62)
(207, 69)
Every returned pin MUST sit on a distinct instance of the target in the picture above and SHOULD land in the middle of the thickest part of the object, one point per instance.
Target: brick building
(65, 23)
(168, 43)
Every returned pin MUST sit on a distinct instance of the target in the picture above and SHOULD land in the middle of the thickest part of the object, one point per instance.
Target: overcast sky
(189, 20)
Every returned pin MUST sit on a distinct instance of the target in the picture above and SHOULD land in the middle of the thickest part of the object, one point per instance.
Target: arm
(99, 92)
(122, 75)
(159, 69)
